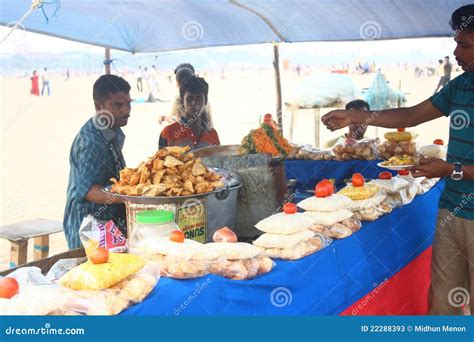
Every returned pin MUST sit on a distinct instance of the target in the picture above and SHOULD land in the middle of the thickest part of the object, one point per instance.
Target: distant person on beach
(68, 75)
(95, 157)
(34, 84)
(45, 79)
(445, 70)
(193, 128)
(139, 77)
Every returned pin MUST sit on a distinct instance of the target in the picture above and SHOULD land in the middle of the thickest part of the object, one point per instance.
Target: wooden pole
(276, 66)
(107, 61)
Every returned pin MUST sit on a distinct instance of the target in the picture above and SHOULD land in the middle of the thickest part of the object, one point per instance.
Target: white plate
(393, 167)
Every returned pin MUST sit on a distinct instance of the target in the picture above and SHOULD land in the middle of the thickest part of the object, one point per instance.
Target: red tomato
(357, 179)
(289, 208)
(324, 188)
(8, 287)
(100, 255)
(438, 142)
(385, 175)
(403, 172)
(224, 234)
(400, 129)
(177, 236)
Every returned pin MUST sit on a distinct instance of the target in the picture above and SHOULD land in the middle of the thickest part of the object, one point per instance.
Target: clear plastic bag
(307, 152)
(117, 298)
(339, 230)
(301, 250)
(241, 269)
(390, 149)
(94, 233)
(179, 268)
(365, 149)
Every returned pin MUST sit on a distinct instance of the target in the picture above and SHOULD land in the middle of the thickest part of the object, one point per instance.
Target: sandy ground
(37, 132)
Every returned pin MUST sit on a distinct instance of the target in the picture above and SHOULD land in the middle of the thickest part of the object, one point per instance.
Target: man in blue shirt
(95, 157)
(452, 270)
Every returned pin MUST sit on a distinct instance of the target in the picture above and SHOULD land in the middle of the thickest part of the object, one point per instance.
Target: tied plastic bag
(338, 230)
(95, 233)
(117, 298)
(365, 149)
(301, 250)
(390, 149)
(307, 152)
(89, 276)
(242, 269)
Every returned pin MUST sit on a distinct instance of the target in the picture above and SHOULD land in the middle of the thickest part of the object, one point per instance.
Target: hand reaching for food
(336, 119)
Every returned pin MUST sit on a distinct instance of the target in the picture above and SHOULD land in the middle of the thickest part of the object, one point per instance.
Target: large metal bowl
(230, 180)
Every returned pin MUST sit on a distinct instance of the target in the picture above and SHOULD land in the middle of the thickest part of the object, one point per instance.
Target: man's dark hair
(194, 85)
(107, 85)
(184, 65)
(357, 104)
(183, 75)
(463, 18)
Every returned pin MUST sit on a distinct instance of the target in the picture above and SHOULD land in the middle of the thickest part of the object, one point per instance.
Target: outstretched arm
(390, 118)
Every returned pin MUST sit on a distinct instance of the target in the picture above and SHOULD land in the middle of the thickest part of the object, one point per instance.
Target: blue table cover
(309, 172)
(324, 283)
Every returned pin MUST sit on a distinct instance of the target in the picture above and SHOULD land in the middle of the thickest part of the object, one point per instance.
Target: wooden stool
(19, 233)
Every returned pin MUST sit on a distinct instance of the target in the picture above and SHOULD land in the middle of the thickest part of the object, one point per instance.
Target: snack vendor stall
(382, 269)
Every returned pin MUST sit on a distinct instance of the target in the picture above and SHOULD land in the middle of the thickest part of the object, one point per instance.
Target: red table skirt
(406, 293)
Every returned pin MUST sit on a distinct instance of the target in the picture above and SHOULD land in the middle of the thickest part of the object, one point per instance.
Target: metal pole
(107, 61)
(276, 66)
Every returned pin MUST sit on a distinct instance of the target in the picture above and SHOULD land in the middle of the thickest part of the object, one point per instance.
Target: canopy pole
(276, 66)
(107, 61)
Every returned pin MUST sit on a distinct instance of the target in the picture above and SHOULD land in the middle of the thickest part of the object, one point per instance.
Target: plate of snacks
(398, 162)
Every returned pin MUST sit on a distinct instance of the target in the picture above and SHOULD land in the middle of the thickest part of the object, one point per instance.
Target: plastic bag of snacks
(300, 250)
(311, 153)
(435, 150)
(352, 149)
(397, 144)
(94, 233)
(238, 261)
(338, 230)
(97, 276)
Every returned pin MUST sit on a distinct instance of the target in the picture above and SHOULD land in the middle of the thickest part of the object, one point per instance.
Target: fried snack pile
(172, 171)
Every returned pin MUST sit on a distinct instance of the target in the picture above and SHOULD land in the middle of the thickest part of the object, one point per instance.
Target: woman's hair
(183, 75)
(184, 65)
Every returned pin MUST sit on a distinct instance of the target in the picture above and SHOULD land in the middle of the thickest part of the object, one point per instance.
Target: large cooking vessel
(199, 216)
(263, 184)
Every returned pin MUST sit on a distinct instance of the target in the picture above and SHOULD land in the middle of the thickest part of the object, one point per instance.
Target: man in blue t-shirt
(452, 269)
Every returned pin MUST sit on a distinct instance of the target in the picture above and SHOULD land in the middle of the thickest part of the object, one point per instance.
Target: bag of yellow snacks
(89, 276)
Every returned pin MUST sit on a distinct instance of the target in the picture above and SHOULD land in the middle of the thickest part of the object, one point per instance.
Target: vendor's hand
(431, 168)
(336, 119)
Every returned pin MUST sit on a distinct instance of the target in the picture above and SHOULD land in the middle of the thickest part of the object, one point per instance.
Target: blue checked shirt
(95, 157)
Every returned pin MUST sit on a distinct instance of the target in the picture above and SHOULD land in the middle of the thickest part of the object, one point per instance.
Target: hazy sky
(405, 50)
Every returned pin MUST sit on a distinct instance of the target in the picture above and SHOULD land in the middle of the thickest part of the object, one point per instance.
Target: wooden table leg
(41, 247)
(18, 253)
